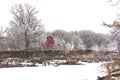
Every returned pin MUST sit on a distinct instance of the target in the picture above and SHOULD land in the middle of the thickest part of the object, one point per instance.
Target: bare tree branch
(25, 23)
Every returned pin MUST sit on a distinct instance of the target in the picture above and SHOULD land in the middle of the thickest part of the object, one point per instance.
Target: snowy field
(88, 71)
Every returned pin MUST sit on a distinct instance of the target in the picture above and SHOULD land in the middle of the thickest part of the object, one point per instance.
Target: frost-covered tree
(77, 43)
(116, 31)
(114, 2)
(64, 39)
(25, 26)
(3, 40)
(87, 37)
(115, 25)
(101, 41)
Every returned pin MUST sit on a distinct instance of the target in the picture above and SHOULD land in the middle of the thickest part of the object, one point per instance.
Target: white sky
(68, 15)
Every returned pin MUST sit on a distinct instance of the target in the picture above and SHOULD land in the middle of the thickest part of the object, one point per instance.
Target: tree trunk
(26, 43)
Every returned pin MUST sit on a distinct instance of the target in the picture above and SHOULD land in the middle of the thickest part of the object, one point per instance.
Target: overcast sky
(68, 15)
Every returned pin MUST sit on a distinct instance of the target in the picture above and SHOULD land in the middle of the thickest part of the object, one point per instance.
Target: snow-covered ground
(88, 71)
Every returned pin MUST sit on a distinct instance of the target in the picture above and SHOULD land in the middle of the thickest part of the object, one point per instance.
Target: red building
(49, 42)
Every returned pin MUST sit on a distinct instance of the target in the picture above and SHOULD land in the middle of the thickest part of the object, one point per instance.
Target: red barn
(49, 42)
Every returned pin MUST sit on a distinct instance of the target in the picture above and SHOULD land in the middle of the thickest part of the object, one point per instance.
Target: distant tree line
(26, 32)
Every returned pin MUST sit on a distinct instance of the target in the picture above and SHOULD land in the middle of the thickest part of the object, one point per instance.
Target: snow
(87, 71)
